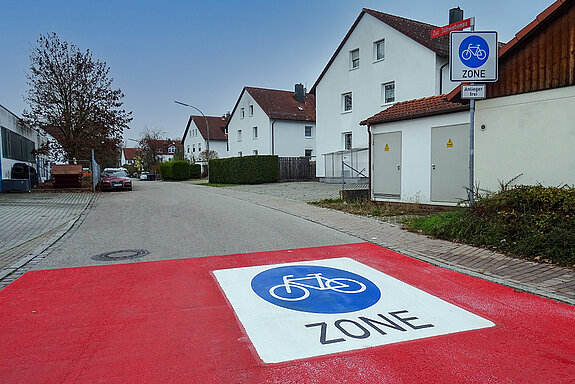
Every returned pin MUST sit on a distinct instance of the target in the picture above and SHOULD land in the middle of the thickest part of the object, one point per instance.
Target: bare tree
(149, 144)
(71, 97)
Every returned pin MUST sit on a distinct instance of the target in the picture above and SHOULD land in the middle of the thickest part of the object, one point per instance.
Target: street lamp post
(208, 134)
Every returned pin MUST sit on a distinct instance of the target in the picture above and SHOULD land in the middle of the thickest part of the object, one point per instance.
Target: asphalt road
(181, 220)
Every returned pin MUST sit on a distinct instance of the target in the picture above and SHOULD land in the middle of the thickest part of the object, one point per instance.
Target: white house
(525, 128)
(383, 59)
(273, 122)
(419, 151)
(18, 141)
(195, 139)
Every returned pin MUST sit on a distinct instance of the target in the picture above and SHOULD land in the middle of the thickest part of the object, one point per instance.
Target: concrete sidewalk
(30, 223)
(545, 280)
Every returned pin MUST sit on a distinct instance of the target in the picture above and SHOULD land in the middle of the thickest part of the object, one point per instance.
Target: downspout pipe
(273, 138)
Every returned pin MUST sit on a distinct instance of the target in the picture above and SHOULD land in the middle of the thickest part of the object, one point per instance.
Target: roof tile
(282, 105)
(428, 106)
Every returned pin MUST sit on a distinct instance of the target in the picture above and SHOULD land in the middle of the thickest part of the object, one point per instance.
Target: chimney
(299, 93)
(455, 15)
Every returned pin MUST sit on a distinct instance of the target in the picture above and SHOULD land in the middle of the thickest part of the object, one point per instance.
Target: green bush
(245, 170)
(531, 221)
(175, 170)
(195, 171)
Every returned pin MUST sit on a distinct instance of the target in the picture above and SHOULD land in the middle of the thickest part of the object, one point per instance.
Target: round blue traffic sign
(473, 51)
(315, 289)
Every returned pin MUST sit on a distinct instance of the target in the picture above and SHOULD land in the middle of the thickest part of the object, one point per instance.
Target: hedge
(245, 170)
(178, 170)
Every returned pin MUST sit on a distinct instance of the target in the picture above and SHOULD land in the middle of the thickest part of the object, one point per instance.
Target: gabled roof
(217, 127)
(130, 153)
(412, 109)
(529, 29)
(282, 105)
(163, 145)
(415, 30)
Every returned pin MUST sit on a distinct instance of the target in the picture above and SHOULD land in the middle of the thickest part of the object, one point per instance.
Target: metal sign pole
(471, 138)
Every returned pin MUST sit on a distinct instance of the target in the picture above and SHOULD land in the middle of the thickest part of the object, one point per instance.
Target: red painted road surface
(169, 322)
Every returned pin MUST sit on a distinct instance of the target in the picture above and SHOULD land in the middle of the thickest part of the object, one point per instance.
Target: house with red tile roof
(383, 59)
(195, 138)
(419, 151)
(525, 128)
(273, 122)
(130, 156)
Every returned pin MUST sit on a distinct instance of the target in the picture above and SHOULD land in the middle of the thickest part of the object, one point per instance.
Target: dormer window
(171, 149)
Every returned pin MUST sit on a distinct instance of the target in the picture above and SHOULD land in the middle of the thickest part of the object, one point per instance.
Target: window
(388, 92)
(308, 152)
(354, 59)
(308, 131)
(199, 147)
(255, 132)
(347, 140)
(188, 149)
(240, 154)
(251, 110)
(242, 113)
(239, 135)
(346, 102)
(16, 147)
(194, 148)
(171, 149)
(255, 152)
(379, 50)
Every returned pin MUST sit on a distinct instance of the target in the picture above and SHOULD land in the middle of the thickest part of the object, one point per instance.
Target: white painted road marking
(324, 322)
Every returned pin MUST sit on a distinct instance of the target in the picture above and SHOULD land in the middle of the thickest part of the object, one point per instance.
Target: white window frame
(384, 99)
(255, 133)
(251, 110)
(375, 50)
(255, 152)
(345, 136)
(310, 127)
(344, 103)
(240, 154)
(354, 62)
(239, 135)
(306, 152)
(171, 149)
(242, 113)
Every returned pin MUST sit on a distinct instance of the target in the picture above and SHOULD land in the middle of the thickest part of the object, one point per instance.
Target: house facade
(382, 60)
(166, 149)
(18, 141)
(419, 152)
(130, 156)
(524, 129)
(273, 122)
(195, 138)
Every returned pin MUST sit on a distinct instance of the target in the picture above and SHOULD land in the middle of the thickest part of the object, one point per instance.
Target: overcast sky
(204, 52)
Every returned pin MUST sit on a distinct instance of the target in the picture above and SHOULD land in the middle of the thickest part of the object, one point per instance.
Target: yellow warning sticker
(386, 149)
(449, 144)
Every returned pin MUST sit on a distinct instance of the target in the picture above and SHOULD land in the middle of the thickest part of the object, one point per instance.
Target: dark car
(115, 179)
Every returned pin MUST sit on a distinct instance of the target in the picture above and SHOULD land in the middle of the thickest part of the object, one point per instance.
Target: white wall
(532, 133)
(290, 140)
(416, 152)
(248, 143)
(413, 68)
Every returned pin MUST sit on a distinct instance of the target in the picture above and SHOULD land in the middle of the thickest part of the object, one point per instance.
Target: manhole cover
(121, 255)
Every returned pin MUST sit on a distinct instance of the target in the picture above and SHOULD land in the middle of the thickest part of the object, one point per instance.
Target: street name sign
(476, 91)
(473, 56)
(450, 28)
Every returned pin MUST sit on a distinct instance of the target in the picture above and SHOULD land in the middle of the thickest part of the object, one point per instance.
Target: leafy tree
(71, 97)
(205, 157)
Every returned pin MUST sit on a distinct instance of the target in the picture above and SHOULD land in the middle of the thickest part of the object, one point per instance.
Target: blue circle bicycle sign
(315, 289)
(474, 51)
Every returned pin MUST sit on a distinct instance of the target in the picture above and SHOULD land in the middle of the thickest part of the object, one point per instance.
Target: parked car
(144, 175)
(115, 179)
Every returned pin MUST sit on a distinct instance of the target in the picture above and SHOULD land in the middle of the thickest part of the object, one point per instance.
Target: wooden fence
(296, 168)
